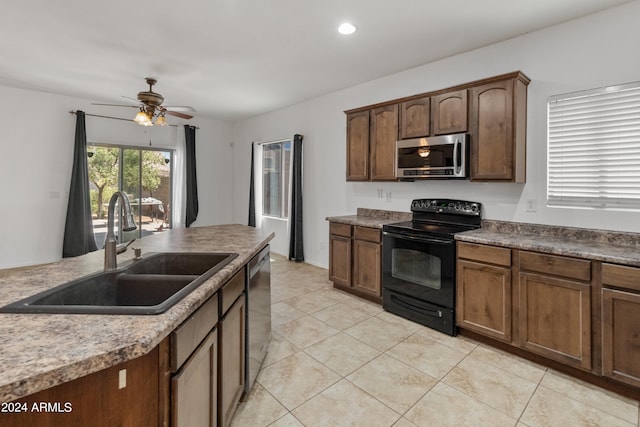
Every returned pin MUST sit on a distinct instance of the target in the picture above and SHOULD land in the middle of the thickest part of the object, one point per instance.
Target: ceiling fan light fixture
(142, 118)
(161, 120)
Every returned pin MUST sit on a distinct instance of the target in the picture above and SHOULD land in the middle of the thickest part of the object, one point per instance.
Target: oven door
(419, 267)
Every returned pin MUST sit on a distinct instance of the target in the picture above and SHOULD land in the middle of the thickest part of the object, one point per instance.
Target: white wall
(37, 138)
(593, 51)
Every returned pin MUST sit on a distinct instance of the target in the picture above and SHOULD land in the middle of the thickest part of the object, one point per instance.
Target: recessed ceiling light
(347, 28)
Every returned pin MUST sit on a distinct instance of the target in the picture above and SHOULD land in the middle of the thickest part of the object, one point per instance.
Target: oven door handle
(405, 304)
(418, 239)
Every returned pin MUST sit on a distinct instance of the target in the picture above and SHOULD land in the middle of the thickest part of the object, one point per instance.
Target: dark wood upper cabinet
(498, 123)
(383, 135)
(415, 118)
(493, 111)
(450, 112)
(358, 146)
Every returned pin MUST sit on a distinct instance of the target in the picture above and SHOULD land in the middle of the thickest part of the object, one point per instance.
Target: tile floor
(337, 360)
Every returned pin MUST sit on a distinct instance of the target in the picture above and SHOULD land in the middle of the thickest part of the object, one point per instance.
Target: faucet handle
(138, 253)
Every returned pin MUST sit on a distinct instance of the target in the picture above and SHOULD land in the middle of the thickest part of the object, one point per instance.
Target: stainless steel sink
(148, 286)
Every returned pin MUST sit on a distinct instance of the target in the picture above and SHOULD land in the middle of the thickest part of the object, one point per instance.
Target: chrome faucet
(129, 224)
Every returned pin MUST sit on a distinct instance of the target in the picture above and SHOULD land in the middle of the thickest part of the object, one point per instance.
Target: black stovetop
(439, 217)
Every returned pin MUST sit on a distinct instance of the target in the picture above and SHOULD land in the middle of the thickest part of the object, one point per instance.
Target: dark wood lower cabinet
(231, 367)
(355, 260)
(555, 318)
(194, 392)
(125, 395)
(484, 299)
(576, 315)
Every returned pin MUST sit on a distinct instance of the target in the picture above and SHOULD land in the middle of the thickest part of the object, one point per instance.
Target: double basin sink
(151, 285)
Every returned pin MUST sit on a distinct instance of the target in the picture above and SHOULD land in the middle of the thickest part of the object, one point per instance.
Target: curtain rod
(115, 118)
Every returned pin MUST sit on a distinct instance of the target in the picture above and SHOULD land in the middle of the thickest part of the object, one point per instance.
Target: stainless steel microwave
(444, 156)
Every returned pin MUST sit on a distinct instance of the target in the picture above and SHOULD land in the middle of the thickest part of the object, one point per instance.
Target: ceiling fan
(150, 105)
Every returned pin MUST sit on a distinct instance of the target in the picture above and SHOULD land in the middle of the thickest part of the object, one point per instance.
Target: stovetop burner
(440, 217)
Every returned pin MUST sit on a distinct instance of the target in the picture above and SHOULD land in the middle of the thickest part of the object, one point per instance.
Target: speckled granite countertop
(38, 351)
(601, 245)
(373, 218)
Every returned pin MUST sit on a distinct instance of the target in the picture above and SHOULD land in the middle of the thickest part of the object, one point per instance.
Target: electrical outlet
(388, 197)
(532, 205)
(380, 193)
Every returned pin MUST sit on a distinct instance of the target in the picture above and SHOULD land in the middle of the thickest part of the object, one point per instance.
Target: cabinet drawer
(572, 268)
(368, 234)
(484, 253)
(621, 276)
(186, 338)
(231, 291)
(340, 229)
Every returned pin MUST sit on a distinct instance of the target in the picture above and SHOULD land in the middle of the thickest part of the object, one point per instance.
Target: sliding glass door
(144, 175)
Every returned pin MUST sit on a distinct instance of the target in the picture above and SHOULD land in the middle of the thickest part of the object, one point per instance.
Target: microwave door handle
(418, 239)
(456, 167)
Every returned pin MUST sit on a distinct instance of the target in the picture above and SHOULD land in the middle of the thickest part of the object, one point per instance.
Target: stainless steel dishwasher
(258, 289)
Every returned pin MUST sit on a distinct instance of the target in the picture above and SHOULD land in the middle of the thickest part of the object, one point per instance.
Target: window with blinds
(594, 148)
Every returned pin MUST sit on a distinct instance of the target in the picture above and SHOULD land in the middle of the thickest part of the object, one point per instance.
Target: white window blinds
(594, 148)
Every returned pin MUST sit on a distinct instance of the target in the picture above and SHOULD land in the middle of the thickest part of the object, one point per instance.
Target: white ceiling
(238, 58)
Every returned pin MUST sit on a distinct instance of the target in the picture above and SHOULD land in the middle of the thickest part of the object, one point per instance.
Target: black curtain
(296, 249)
(78, 228)
(252, 197)
(192, 185)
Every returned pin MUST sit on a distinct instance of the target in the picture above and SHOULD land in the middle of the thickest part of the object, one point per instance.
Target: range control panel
(459, 207)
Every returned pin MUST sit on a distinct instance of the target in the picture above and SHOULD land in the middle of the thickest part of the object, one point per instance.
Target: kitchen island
(40, 351)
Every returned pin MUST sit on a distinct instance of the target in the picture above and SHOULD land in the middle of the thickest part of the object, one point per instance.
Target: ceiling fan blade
(183, 108)
(138, 103)
(115, 105)
(176, 114)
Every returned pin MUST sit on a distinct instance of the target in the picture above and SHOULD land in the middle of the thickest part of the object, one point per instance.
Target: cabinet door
(194, 388)
(450, 112)
(415, 118)
(498, 127)
(383, 135)
(621, 336)
(340, 260)
(555, 318)
(358, 146)
(367, 276)
(231, 367)
(484, 299)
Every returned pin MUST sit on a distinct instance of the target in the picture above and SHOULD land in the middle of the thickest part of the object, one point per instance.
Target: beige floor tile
(445, 406)
(282, 312)
(305, 331)
(590, 395)
(295, 379)
(342, 353)
(279, 348)
(514, 364)
(287, 421)
(409, 325)
(344, 404)
(496, 387)
(403, 422)
(341, 316)
(550, 409)
(378, 333)
(426, 355)
(260, 409)
(394, 383)
(459, 343)
(364, 305)
(282, 293)
(313, 301)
